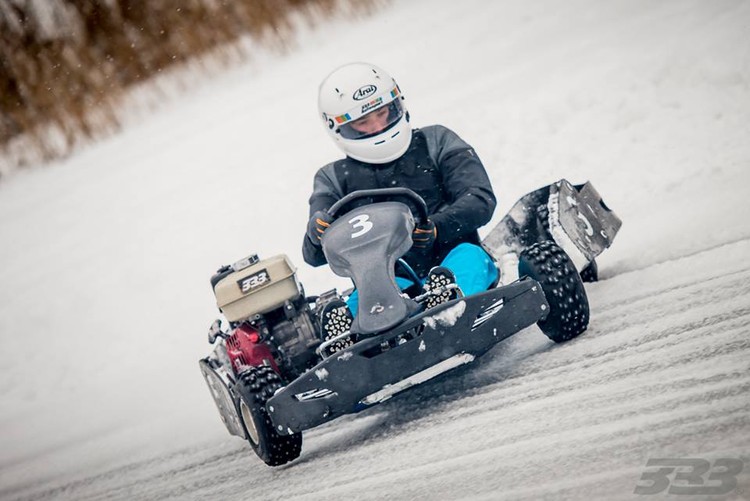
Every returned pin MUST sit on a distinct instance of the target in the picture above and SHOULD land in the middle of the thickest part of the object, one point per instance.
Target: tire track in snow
(722, 404)
(624, 269)
(480, 466)
(687, 291)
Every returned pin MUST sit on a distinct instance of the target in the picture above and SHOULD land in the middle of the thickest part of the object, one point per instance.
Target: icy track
(105, 260)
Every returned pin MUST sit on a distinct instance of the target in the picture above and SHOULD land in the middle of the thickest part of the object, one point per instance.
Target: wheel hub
(247, 417)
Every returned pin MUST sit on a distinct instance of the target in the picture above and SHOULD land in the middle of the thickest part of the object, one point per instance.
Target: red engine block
(245, 350)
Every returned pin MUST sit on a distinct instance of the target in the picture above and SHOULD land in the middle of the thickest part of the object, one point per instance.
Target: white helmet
(363, 111)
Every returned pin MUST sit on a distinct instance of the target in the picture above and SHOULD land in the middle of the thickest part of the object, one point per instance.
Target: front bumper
(424, 346)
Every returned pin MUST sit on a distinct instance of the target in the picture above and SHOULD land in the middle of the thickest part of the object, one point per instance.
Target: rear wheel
(549, 265)
(254, 387)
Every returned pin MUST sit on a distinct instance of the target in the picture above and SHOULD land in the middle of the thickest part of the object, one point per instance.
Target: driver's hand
(319, 223)
(424, 235)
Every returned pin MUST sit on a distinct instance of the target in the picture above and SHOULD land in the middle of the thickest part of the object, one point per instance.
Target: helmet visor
(373, 123)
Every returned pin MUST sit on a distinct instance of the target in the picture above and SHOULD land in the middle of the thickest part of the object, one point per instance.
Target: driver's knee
(474, 269)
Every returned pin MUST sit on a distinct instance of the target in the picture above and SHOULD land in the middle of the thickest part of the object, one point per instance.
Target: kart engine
(269, 315)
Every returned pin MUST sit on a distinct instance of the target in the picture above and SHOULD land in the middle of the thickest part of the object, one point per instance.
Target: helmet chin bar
(383, 148)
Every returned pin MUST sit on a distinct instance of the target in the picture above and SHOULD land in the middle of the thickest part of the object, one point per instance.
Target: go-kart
(271, 374)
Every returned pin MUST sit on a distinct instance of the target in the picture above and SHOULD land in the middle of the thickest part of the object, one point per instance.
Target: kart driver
(363, 111)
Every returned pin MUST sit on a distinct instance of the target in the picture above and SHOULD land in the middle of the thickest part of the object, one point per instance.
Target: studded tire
(253, 389)
(549, 265)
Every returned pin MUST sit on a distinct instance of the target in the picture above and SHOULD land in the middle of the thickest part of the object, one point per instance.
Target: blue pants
(474, 269)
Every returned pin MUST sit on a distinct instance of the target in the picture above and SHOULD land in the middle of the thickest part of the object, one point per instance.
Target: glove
(319, 223)
(424, 235)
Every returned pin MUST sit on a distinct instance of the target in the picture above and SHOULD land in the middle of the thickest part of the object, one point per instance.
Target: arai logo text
(364, 92)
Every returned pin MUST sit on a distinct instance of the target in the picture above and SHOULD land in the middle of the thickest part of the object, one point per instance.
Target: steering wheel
(384, 194)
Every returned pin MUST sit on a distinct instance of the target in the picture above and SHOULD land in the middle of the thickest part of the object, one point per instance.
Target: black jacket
(440, 167)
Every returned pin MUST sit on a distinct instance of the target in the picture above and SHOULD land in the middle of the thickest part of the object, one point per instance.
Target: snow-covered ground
(105, 260)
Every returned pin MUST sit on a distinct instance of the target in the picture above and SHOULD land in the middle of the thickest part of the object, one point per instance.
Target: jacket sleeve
(467, 186)
(326, 191)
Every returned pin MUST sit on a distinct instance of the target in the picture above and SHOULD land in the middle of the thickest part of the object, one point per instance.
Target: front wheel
(549, 265)
(254, 387)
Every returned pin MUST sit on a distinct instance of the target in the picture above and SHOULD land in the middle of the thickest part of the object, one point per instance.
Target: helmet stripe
(343, 118)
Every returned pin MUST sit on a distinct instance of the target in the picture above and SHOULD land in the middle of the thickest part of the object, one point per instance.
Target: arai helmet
(363, 111)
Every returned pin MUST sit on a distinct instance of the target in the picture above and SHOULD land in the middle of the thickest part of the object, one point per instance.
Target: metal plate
(223, 399)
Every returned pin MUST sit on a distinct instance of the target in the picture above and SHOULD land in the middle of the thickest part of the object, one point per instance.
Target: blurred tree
(65, 63)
